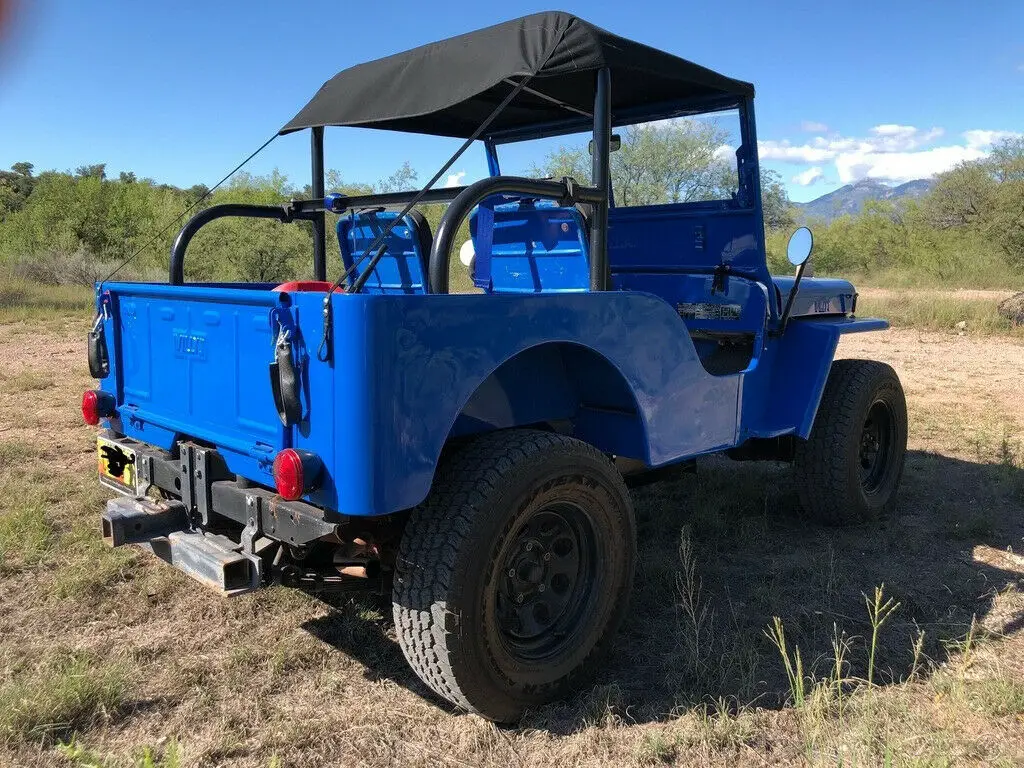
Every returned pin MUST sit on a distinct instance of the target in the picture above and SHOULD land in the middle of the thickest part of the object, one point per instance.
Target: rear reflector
(96, 405)
(296, 473)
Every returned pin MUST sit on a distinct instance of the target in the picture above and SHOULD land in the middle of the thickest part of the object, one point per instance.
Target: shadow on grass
(693, 639)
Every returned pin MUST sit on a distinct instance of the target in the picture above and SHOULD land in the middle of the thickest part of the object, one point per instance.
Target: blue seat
(402, 268)
(529, 247)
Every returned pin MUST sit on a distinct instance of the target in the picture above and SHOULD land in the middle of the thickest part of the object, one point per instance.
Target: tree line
(76, 226)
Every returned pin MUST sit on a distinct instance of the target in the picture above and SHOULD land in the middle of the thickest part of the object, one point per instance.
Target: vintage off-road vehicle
(471, 452)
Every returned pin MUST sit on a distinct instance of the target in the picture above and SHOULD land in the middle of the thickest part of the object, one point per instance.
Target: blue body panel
(818, 295)
(687, 238)
(410, 371)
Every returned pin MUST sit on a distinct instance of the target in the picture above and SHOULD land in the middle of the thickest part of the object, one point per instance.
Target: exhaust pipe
(358, 559)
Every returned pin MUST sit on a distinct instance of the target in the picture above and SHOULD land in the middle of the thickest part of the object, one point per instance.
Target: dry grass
(109, 658)
(23, 300)
(967, 312)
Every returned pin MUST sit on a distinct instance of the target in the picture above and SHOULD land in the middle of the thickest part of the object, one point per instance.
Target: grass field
(110, 658)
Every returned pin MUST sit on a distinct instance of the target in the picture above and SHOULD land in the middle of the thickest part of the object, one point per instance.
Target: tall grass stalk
(794, 667)
(879, 610)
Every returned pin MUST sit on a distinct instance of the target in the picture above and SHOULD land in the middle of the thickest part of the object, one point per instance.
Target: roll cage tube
(296, 210)
(283, 213)
(565, 191)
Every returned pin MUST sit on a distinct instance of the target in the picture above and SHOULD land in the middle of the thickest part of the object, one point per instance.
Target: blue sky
(181, 91)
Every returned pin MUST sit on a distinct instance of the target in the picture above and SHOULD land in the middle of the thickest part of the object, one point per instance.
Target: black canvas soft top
(449, 87)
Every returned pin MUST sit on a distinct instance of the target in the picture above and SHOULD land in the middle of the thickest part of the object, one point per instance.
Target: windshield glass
(682, 160)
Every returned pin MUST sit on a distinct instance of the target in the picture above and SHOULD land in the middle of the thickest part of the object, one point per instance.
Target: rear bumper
(161, 528)
(212, 525)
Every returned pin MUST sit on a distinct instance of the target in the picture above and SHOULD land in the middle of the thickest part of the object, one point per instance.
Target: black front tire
(849, 468)
(514, 574)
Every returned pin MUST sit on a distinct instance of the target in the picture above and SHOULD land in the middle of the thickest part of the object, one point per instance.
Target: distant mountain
(851, 198)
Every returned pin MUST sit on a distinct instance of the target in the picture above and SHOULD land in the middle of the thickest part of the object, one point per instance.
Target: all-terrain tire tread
(822, 470)
(433, 536)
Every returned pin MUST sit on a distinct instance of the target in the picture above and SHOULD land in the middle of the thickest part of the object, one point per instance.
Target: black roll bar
(601, 178)
(282, 213)
(565, 191)
(316, 153)
(342, 203)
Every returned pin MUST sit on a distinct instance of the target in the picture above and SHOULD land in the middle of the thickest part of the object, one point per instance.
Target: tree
(985, 197)
(678, 161)
(778, 210)
(667, 162)
(97, 171)
(961, 197)
(1007, 159)
(402, 179)
(15, 187)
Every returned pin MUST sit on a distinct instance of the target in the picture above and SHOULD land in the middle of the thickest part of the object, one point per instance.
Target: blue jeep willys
(471, 453)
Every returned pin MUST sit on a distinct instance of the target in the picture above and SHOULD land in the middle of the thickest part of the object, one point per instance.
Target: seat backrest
(403, 267)
(529, 247)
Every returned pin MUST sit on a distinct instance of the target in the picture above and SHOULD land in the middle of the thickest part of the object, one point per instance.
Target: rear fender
(556, 382)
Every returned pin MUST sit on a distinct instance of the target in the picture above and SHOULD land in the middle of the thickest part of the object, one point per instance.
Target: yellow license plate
(117, 466)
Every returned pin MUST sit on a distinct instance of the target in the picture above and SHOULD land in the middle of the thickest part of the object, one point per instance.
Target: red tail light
(296, 473)
(96, 405)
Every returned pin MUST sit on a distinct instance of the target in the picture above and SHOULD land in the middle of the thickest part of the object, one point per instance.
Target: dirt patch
(283, 678)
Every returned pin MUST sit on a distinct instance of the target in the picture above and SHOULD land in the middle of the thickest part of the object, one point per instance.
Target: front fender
(782, 396)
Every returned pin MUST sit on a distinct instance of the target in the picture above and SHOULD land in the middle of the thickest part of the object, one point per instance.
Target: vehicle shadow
(724, 551)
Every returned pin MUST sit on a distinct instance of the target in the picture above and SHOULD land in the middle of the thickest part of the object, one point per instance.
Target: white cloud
(808, 177)
(455, 179)
(891, 129)
(890, 152)
(725, 152)
(980, 139)
(787, 153)
(810, 126)
(885, 138)
(902, 166)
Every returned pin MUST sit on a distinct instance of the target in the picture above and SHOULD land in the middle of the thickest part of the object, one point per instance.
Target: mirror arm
(784, 320)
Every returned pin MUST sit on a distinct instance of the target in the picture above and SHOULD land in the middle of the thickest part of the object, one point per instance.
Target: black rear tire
(514, 574)
(849, 468)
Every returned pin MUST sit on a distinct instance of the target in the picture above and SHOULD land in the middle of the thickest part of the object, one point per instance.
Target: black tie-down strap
(284, 382)
(96, 343)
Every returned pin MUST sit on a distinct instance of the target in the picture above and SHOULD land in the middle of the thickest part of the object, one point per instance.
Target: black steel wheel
(878, 440)
(849, 468)
(515, 573)
(548, 583)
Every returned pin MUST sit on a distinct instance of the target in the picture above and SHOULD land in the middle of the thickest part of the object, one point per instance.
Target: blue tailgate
(193, 361)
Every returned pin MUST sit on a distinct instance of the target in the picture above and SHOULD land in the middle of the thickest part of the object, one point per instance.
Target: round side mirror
(799, 248)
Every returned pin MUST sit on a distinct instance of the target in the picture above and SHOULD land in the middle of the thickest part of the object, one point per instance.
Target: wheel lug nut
(512, 572)
(529, 546)
(519, 598)
(547, 557)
